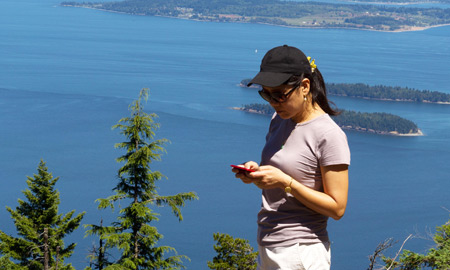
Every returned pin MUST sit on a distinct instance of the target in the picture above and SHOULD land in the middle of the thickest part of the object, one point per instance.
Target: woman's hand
(264, 177)
(331, 202)
(270, 177)
(246, 176)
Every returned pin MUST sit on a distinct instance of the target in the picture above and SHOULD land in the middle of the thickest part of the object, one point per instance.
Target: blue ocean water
(68, 74)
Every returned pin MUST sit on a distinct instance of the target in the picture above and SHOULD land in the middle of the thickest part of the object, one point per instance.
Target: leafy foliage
(6, 263)
(437, 257)
(98, 256)
(232, 253)
(32, 217)
(132, 233)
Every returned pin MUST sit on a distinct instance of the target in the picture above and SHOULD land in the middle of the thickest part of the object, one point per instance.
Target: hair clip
(311, 63)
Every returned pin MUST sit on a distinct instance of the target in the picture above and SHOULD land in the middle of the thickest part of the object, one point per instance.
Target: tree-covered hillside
(288, 13)
(381, 123)
(381, 92)
(376, 122)
(361, 90)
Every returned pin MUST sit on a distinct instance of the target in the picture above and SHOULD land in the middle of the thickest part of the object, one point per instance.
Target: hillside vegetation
(379, 122)
(360, 90)
(381, 92)
(286, 13)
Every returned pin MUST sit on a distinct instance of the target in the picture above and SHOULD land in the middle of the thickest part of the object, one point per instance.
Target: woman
(304, 168)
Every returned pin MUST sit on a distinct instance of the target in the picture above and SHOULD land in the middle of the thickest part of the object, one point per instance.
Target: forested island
(379, 123)
(381, 92)
(285, 13)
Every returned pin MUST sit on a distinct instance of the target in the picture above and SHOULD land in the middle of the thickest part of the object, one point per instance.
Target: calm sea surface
(68, 74)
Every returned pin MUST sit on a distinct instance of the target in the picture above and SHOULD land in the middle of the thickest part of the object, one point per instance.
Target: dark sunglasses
(276, 96)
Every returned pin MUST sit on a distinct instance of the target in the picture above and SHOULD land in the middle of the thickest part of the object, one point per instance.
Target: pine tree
(233, 253)
(132, 233)
(437, 257)
(41, 229)
(99, 258)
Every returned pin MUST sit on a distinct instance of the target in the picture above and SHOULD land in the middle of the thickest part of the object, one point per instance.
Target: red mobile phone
(242, 168)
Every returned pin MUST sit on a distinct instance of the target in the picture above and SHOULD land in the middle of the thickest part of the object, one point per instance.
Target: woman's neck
(308, 114)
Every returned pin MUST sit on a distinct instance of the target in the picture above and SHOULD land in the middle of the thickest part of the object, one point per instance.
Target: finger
(258, 184)
(256, 174)
(264, 168)
(246, 181)
(251, 165)
(235, 170)
(243, 177)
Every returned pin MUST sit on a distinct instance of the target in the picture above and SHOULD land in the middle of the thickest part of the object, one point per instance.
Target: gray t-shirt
(299, 150)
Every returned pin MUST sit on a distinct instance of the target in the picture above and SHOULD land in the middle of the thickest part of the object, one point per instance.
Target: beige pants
(296, 257)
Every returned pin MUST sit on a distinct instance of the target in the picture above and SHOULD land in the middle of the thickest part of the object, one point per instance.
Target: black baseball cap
(279, 64)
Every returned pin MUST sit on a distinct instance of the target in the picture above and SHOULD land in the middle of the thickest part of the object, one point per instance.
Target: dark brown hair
(317, 89)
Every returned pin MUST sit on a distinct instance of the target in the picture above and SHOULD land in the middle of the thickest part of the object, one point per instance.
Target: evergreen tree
(232, 253)
(6, 263)
(437, 257)
(40, 227)
(99, 258)
(132, 233)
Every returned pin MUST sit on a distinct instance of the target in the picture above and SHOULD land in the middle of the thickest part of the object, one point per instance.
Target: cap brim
(270, 79)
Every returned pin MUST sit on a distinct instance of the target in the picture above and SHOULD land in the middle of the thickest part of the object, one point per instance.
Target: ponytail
(317, 89)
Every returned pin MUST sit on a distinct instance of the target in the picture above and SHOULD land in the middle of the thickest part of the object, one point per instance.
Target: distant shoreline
(391, 133)
(389, 2)
(416, 28)
(394, 100)
(403, 29)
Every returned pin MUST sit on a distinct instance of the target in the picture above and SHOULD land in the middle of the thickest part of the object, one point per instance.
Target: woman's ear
(305, 86)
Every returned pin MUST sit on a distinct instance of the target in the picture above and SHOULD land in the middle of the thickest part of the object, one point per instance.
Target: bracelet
(288, 189)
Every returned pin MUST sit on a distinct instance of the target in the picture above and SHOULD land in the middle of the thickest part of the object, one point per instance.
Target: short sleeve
(333, 148)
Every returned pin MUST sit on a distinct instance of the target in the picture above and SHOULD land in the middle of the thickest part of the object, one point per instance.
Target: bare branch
(378, 251)
(398, 253)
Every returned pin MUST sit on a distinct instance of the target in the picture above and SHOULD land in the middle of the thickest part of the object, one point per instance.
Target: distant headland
(289, 13)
